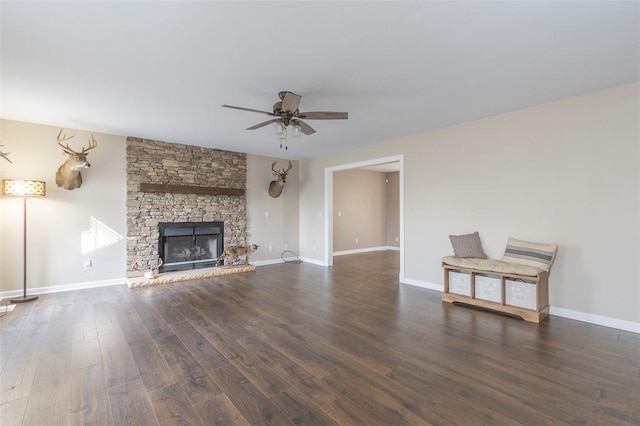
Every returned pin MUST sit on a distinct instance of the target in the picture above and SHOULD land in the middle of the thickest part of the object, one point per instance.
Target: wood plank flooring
(302, 344)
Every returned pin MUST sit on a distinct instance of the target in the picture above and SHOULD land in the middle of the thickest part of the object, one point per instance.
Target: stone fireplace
(171, 183)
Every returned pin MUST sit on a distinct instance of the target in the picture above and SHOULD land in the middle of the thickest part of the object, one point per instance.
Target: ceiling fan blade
(306, 129)
(290, 102)
(264, 123)
(248, 109)
(324, 115)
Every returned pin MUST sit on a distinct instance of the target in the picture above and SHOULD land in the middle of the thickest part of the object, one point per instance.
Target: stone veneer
(157, 162)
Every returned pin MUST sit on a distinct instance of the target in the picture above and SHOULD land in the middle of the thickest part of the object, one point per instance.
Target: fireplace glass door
(189, 245)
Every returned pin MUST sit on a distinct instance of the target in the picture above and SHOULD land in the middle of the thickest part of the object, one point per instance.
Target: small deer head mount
(68, 175)
(276, 186)
(5, 155)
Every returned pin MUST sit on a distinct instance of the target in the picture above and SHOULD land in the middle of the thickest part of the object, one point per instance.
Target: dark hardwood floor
(303, 344)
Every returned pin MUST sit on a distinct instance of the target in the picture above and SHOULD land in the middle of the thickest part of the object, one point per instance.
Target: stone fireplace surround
(174, 166)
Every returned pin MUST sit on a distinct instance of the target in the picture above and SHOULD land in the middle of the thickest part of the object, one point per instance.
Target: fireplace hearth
(190, 245)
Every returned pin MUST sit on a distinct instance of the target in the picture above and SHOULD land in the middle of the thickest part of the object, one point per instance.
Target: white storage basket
(460, 283)
(521, 294)
(488, 288)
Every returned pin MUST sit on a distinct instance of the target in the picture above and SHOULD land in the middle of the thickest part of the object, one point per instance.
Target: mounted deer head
(5, 155)
(68, 175)
(276, 186)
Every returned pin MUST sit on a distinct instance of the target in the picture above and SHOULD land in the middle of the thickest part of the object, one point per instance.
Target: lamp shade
(21, 187)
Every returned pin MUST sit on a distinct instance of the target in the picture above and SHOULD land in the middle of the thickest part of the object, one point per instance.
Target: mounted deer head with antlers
(68, 175)
(276, 186)
(5, 155)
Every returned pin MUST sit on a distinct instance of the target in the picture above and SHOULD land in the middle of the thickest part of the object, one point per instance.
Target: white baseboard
(595, 319)
(365, 250)
(619, 324)
(314, 261)
(63, 287)
(266, 262)
(280, 260)
(423, 284)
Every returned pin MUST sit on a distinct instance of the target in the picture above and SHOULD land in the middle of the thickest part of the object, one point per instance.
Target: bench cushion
(491, 265)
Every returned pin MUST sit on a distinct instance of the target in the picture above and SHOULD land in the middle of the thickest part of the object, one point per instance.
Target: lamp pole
(24, 297)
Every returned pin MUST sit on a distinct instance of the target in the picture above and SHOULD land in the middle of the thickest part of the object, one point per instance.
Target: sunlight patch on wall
(98, 236)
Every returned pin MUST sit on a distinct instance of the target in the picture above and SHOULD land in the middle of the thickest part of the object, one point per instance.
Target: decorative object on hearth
(231, 253)
(5, 155)
(151, 271)
(68, 174)
(287, 115)
(24, 189)
(276, 186)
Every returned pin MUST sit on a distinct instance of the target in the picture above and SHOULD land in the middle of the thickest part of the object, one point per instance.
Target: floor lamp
(24, 189)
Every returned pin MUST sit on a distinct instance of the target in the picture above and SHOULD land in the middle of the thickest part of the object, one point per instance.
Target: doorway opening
(391, 163)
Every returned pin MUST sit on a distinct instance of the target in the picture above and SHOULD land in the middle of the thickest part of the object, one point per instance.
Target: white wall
(65, 228)
(3, 164)
(566, 172)
(359, 210)
(271, 221)
(393, 209)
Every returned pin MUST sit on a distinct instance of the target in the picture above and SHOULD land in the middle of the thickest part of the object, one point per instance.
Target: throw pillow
(529, 253)
(468, 245)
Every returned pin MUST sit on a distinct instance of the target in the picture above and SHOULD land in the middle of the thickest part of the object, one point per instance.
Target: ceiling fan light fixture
(296, 130)
(282, 132)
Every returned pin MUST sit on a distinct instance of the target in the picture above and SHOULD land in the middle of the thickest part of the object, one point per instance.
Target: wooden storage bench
(525, 296)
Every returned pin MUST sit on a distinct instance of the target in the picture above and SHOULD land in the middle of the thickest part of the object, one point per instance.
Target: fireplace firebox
(190, 245)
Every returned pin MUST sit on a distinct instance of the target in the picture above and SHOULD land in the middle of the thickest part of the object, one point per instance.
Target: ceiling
(162, 70)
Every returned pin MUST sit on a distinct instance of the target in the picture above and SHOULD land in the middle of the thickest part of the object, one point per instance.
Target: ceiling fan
(286, 113)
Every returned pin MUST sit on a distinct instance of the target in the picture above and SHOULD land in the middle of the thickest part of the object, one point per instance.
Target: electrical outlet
(356, 240)
(270, 248)
(87, 265)
(286, 247)
(397, 239)
(266, 213)
(339, 213)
